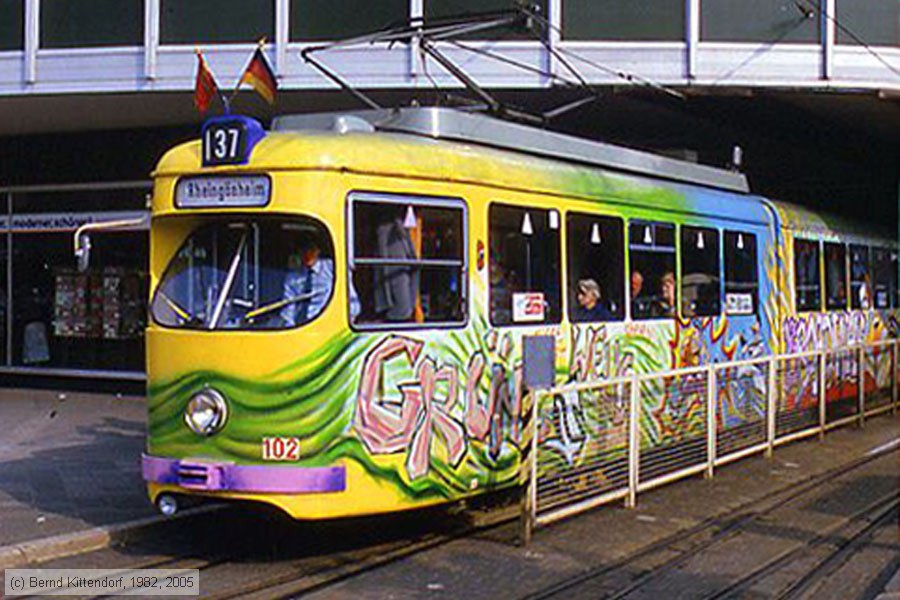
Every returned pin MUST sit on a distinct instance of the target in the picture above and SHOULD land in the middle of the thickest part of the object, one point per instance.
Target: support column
(826, 19)
(32, 38)
(692, 36)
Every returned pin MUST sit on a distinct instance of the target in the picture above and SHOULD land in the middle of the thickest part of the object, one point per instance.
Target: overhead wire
(812, 6)
(631, 78)
(764, 48)
(448, 30)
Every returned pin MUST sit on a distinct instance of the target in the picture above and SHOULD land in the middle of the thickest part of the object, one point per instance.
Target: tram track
(312, 575)
(632, 575)
(860, 526)
(258, 573)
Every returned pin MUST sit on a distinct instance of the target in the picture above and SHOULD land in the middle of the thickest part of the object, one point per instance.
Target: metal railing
(601, 441)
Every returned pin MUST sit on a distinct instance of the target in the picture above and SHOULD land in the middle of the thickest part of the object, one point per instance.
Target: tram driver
(308, 284)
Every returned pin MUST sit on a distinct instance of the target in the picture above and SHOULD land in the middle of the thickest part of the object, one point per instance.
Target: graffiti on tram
(434, 403)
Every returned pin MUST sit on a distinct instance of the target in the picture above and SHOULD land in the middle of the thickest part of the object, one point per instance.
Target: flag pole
(225, 101)
(237, 87)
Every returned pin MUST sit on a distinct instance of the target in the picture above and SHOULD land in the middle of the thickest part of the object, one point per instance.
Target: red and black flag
(205, 87)
(259, 74)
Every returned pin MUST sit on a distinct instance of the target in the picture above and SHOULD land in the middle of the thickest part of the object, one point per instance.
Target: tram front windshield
(247, 274)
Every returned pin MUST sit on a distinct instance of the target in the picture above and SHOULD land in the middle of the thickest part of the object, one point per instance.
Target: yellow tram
(338, 306)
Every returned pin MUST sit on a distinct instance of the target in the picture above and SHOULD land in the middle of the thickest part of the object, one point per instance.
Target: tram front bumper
(211, 476)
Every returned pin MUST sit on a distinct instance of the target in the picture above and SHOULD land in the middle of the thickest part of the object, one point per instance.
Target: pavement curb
(24, 554)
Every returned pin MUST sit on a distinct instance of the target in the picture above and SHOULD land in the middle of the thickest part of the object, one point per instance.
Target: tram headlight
(206, 412)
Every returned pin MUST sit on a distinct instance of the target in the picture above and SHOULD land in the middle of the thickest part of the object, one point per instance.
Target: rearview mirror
(83, 252)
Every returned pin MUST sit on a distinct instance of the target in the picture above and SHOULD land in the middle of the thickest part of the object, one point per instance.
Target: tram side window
(806, 275)
(882, 277)
(741, 275)
(408, 261)
(651, 248)
(835, 276)
(860, 278)
(596, 268)
(524, 266)
(700, 295)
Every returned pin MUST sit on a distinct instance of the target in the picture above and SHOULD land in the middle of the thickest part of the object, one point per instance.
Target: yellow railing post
(771, 406)
(823, 396)
(861, 389)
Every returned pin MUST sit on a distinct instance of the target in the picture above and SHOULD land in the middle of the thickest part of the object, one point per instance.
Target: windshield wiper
(183, 314)
(280, 304)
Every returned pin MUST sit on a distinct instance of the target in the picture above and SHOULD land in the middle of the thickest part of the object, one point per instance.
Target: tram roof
(349, 142)
(806, 222)
(461, 126)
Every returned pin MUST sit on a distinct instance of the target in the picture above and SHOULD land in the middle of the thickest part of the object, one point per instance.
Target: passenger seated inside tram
(641, 304)
(665, 304)
(865, 293)
(590, 302)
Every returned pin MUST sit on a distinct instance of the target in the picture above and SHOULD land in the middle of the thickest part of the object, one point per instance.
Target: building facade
(91, 91)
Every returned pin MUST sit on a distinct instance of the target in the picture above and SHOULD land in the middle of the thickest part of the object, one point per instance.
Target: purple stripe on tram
(216, 476)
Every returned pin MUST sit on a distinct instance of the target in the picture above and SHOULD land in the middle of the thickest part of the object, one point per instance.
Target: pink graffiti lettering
(491, 417)
(423, 409)
(386, 426)
(434, 417)
(408, 423)
(478, 413)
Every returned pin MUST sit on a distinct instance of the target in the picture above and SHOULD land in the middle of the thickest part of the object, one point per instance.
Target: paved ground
(68, 462)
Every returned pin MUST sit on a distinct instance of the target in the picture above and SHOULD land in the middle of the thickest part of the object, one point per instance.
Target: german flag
(259, 74)
(205, 87)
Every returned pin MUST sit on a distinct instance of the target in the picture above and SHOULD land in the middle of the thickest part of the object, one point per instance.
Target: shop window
(806, 275)
(68, 24)
(596, 264)
(860, 278)
(524, 266)
(437, 9)
(650, 20)
(700, 291)
(12, 24)
(408, 260)
(651, 249)
(835, 276)
(741, 273)
(216, 21)
(762, 21)
(318, 20)
(873, 23)
(66, 319)
(247, 274)
(882, 270)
